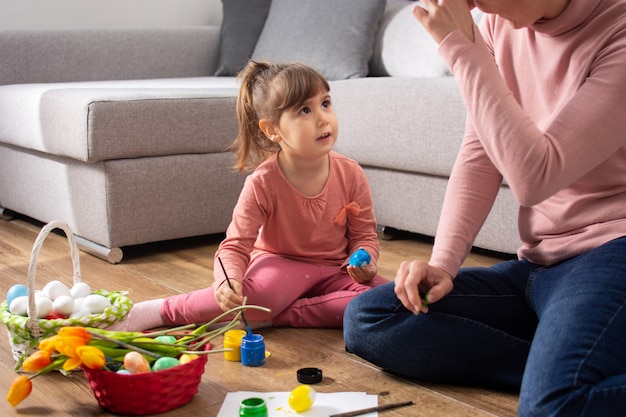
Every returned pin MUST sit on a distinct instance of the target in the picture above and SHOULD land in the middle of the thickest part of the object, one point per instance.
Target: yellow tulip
(49, 344)
(20, 389)
(37, 361)
(72, 363)
(91, 357)
(67, 345)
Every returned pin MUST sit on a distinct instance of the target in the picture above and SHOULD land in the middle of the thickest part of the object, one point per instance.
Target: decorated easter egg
(165, 363)
(54, 289)
(135, 363)
(17, 290)
(186, 358)
(360, 258)
(80, 290)
(96, 303)
(302, 398)
(19, 306)
(165, 339)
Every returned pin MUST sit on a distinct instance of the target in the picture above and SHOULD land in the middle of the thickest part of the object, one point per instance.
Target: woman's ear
(269, 129)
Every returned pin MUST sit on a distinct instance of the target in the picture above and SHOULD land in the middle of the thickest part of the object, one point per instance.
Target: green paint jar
(253, 407)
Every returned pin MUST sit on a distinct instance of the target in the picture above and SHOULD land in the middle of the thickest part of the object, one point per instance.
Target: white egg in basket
(54, 289)
(80, 290)
(96, 303)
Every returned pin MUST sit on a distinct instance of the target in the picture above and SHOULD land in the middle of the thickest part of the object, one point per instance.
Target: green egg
(165, 363)
(165, 339)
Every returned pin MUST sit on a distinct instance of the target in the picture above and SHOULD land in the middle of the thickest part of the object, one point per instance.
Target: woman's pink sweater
(546, 112)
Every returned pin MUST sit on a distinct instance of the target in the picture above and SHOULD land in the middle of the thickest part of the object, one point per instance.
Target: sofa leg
(112, 255)
(386, 232)
(6, 214)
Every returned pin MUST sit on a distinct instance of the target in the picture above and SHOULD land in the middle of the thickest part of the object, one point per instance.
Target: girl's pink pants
(299, 295)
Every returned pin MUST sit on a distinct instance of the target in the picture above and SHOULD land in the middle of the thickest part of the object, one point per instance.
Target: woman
(544, 84)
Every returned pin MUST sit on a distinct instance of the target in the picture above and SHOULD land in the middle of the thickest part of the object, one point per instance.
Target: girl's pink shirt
(271, 216)
(546, 112)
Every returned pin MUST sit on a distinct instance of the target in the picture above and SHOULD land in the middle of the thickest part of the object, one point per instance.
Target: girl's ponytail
(251, 147)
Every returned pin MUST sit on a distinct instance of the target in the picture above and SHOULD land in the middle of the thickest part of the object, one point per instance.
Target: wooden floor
(163, 269)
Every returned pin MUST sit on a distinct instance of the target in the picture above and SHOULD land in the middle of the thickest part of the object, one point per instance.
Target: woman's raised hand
(442, 17)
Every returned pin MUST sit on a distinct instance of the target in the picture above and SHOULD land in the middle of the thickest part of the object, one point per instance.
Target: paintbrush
(372, 409)
(243, 317)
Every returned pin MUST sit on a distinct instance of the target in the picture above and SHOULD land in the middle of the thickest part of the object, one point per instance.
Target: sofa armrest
(43, 56)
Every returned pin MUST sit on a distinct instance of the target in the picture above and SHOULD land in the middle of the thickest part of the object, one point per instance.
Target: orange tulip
(20, 389)
(37, 361)
(80, 332)
(91, 357)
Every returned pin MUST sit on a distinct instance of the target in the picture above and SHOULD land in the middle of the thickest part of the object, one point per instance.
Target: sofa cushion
(94, 121)
(334, 37)
(242, 23)
(403, 48)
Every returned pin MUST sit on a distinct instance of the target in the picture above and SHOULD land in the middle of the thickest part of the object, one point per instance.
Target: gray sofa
(123, 134)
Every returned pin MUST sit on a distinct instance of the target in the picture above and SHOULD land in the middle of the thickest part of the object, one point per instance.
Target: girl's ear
(269, 129)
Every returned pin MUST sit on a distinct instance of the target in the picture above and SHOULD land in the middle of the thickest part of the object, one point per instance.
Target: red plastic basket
(147, 393)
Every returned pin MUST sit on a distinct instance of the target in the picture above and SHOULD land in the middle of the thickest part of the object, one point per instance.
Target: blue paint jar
(252, 350)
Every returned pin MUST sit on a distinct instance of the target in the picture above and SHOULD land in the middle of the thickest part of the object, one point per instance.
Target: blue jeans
(556, 333)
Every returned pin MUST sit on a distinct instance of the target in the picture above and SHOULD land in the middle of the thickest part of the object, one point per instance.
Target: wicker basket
(26, 332)
(147, 393)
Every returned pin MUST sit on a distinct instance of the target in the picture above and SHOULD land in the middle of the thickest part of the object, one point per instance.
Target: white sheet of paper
(278, 403)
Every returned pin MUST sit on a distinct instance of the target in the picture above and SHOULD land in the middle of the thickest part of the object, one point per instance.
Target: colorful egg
(165, 363)
(17, 290)
(135, 363)
(302, 398)
(186, 358)
(165, 339)
(360, 258)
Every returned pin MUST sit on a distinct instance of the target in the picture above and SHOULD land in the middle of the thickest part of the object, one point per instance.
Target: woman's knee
(366, 309)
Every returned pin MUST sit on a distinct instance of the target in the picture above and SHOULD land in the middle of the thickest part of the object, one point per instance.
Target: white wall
(46, 14)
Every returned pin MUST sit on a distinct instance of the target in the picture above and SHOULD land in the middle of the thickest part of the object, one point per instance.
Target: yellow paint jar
(232, 339)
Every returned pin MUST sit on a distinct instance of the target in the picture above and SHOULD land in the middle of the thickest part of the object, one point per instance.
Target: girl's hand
(415, 278)
(362, 275)
(228, 298)
(442, 17)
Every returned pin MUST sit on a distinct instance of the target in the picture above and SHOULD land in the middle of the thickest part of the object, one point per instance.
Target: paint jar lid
(309, 375)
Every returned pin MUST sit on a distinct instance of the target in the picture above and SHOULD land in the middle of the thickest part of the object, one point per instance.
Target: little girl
(302, 211)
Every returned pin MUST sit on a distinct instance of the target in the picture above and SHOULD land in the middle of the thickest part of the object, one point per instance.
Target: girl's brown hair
(266, 91)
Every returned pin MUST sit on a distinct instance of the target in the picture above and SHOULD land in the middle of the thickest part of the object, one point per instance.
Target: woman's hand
(442, 17)
(417, 278)
(228, 298)
(362, 275)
